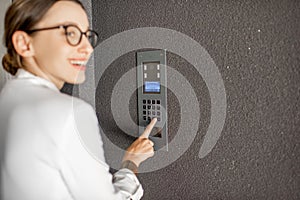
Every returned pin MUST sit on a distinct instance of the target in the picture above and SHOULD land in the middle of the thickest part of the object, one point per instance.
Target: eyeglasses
(73, 34)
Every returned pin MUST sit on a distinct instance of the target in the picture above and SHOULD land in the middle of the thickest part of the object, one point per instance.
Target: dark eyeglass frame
(65, 27)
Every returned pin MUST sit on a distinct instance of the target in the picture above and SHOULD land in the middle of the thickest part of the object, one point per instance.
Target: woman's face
(57, 60)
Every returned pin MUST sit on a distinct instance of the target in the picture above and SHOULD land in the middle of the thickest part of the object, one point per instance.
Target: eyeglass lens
(74, 36)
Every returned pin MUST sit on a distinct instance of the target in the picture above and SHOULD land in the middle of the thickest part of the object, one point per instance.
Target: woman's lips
(79, 64)
(79, 67)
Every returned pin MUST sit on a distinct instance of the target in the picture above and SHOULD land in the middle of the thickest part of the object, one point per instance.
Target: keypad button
(153, 101)
(153, 107)
(144, 101)
(144, 112)
(149, 101)
(158, 107)
(158, 113)
(149, 112)
(144, 107)
(149, 107)
(158, 119)
(145, 118)
(153, 112)
(149, 119)
(158, 101)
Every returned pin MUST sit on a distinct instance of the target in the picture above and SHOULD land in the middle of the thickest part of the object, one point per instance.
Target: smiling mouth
(79, 64)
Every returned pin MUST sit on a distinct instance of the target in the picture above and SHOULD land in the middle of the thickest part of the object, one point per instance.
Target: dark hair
(22, 15)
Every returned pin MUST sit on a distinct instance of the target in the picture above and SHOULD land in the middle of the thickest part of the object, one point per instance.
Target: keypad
(151, 109)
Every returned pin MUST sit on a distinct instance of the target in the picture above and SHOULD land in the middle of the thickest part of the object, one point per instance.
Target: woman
(43, 155)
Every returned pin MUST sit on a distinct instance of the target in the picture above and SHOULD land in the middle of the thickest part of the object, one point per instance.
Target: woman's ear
(22, 44)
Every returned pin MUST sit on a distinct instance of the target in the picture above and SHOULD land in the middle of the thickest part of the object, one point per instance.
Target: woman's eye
(71, 33)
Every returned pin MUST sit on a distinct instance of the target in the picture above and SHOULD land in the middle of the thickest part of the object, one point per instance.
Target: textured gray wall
(255, 44)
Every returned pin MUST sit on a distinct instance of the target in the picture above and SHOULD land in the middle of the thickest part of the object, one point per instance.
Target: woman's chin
(79, 79)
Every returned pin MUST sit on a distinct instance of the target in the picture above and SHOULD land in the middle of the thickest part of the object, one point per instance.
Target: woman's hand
(142, 148)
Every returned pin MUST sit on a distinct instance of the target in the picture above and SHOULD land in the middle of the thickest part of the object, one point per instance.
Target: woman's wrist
(128, 164)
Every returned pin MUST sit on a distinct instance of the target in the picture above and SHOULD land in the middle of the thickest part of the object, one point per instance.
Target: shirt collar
(23, 74)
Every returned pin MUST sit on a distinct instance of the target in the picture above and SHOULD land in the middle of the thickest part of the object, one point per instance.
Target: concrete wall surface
(255, 47)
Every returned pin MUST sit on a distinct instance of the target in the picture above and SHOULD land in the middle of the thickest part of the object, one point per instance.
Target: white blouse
(51, 148)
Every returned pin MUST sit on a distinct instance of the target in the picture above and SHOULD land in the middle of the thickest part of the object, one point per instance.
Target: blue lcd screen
(152, 87)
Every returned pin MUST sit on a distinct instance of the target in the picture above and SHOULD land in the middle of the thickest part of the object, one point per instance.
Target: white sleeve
(82, 165)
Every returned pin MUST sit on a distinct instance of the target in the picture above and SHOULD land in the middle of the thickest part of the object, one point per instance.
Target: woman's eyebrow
(74, 23)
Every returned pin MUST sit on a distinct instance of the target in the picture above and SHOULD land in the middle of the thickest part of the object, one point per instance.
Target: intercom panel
(152, 95)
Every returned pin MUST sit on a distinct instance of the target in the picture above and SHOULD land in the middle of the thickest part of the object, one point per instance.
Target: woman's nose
(85, 46)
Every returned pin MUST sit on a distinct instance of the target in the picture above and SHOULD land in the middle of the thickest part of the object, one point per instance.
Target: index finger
(149, 128)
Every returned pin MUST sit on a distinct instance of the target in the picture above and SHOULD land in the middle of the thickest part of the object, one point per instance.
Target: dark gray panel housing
(152, 95)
